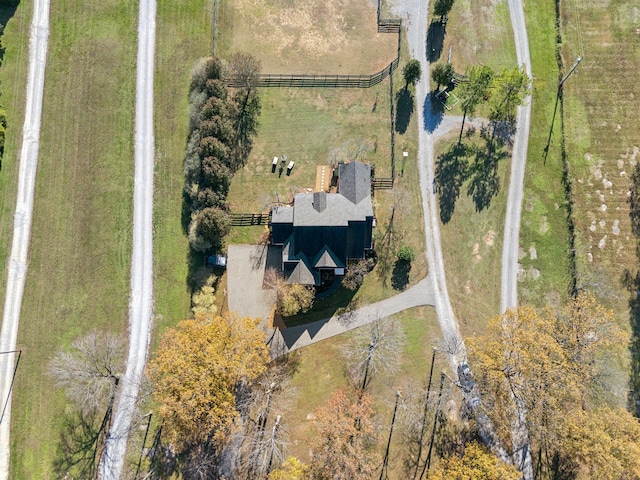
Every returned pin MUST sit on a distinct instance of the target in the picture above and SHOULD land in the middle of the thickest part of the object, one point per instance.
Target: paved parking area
(245, 272)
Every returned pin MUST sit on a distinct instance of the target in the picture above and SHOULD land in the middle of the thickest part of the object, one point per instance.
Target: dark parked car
(219, 261)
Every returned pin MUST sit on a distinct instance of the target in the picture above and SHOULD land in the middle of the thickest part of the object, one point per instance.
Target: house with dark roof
(322, 231)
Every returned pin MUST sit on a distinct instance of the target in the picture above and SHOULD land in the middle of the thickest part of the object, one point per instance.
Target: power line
(13, 379)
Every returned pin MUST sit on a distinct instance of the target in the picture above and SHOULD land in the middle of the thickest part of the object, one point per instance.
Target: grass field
(316, 36)
(311, 126)
(13, 74)
(183, 36)
(477, 33)
(543, 223)
(603, 138)
(81, 236)
(474, 247)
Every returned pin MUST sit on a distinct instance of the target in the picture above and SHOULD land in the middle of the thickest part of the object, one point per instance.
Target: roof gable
(302, 274)
(354, 181)
(327, 259)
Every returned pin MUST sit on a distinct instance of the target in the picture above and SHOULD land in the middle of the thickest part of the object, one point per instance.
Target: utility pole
(149, 415)
(555, 109)
(427, 464)
(385, 462)
(424, 415)
(575, 65)
(13, 379)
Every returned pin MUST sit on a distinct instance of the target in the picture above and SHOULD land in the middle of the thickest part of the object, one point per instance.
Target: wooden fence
(385, 25)
(382, 183)
(335, 81)
(249, 219)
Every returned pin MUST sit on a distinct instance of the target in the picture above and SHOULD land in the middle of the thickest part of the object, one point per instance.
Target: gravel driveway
(245, 272)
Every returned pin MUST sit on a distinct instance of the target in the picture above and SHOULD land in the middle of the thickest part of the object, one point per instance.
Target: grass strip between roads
(78, 277)
(543, 223)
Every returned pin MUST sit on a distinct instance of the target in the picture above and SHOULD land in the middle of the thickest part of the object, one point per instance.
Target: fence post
(393, 126)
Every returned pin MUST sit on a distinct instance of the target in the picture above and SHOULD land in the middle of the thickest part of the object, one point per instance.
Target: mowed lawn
(477, 33)
(543, 222)
(78, 278)
(472, 238)
(183, 36)
(13, 75)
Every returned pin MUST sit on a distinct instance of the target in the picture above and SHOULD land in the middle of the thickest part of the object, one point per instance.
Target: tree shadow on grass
(433, 111)
(81, 441)
(404, 109)
(400, 275)
(451, 172)
(7, 11)
(435, 40)
(485, 182)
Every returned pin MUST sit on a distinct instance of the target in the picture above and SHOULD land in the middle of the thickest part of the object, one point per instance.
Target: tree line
(222, 125)
(223, 406)
(561, 366)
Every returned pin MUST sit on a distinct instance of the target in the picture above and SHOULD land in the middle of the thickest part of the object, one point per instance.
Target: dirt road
(509, 283)
(141, 302)
(18, 263)
(511, 242)
(415, 14)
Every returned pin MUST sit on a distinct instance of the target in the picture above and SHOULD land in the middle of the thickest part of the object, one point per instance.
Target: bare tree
(244, 69)
(356, 148)
(452, 344)
(267, 450)
(260, 447)
(373, 348)
(90, 371)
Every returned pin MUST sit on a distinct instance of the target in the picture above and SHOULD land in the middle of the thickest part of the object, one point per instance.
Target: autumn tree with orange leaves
(556, 365)
(475, 463)
(344, 436)
(196, 370)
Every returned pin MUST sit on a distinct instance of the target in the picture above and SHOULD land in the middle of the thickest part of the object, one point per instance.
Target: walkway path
(141, 302)
(17, 266)
(292, 338)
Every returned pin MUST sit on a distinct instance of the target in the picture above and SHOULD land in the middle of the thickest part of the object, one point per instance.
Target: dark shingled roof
(325, 230)
(327, 259)
(319, 201)
(302, 274)
(354, 181)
